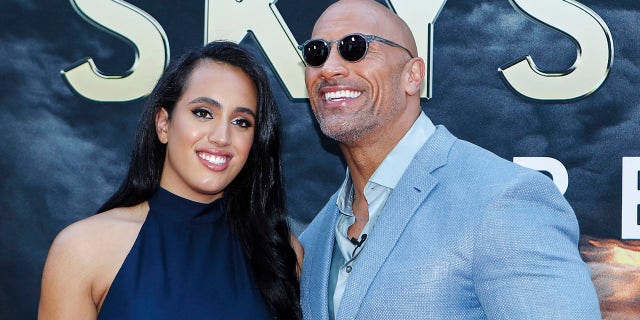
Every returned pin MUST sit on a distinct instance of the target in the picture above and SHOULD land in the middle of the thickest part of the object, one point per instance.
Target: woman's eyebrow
(207, 100)
(245, 110)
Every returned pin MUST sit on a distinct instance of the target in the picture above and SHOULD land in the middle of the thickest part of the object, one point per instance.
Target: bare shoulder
(299, 250)
(85, 240)
(83, 260)
(296, 245)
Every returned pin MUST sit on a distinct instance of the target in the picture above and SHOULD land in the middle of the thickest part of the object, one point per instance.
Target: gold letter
(232, 19)
(136, 27)
(420, 16)
(594, 56)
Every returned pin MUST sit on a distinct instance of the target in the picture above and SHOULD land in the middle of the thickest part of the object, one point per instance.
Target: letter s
(594, 57)
(136, 27)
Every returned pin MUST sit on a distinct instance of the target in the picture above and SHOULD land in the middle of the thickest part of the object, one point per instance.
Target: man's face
(353, 100)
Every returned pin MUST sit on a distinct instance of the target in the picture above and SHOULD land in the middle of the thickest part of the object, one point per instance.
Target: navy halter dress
(185, 264)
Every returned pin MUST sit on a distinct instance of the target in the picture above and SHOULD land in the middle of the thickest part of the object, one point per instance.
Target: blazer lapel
(315, 272)
(412, 190)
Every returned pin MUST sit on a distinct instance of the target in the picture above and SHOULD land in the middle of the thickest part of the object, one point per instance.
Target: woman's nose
(220, 135)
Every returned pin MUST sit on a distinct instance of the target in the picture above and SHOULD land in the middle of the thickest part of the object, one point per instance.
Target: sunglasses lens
(353, 47)
(315, 53)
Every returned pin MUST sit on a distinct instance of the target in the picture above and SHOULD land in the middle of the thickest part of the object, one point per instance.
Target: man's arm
(526, 262)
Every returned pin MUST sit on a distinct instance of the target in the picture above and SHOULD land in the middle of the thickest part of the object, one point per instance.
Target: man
(425, 226)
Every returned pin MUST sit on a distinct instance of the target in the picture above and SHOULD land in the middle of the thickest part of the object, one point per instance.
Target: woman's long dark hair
(254, 200)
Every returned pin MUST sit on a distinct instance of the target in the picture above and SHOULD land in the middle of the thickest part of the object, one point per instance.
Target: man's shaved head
(377, 19)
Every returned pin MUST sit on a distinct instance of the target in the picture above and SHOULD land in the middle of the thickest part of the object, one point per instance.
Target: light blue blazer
(464, 235)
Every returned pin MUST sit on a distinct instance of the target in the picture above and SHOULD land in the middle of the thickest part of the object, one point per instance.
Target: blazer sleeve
(526, 263)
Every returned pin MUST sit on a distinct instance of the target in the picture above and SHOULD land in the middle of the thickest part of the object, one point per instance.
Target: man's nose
(335, 66)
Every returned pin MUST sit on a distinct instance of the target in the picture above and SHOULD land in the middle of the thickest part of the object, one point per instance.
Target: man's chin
(342, 134)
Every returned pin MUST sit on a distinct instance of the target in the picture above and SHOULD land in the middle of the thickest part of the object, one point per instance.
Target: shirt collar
(397, 161)
(345, 195)
(394, 165)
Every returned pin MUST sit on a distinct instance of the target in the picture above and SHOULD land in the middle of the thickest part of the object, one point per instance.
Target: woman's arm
(83, 261)
(67, 277)
(297, 247)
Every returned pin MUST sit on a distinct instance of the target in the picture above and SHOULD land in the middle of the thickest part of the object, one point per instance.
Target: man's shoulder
(476, 167)
(470, 155)
(444, 148)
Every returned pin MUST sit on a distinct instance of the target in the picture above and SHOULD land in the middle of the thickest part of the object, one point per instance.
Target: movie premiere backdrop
(549, 84)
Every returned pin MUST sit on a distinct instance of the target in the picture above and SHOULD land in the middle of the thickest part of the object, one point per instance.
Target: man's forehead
(339, 25)
(353, 17)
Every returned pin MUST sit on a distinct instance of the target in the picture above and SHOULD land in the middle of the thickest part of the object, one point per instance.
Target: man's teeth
(342, 94)
(213, 159)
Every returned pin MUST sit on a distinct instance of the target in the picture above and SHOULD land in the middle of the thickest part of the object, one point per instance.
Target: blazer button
(349, 268)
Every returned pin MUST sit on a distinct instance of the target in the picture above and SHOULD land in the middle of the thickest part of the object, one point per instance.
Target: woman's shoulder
(89, 235)
(299, 250)
(86, 255)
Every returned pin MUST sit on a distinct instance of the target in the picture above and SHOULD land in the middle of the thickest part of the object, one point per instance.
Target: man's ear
(162, 125)
(415, 75)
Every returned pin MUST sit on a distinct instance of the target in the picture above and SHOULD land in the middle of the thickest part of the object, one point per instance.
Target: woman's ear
(415, 76)
(162, 125)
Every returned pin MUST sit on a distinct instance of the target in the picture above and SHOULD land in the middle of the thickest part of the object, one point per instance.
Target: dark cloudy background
(62, 155)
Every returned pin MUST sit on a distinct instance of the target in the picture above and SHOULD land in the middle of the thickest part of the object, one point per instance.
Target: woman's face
(210, 132)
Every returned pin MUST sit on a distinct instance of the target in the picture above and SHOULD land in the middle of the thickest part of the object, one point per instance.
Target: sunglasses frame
(368, 38)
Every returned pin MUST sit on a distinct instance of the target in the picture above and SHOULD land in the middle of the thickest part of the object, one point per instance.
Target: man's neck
(365, 155)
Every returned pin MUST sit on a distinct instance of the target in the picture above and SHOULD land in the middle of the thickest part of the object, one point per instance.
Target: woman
(198, 228)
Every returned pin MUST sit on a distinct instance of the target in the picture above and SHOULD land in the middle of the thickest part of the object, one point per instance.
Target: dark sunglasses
(353, 47)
